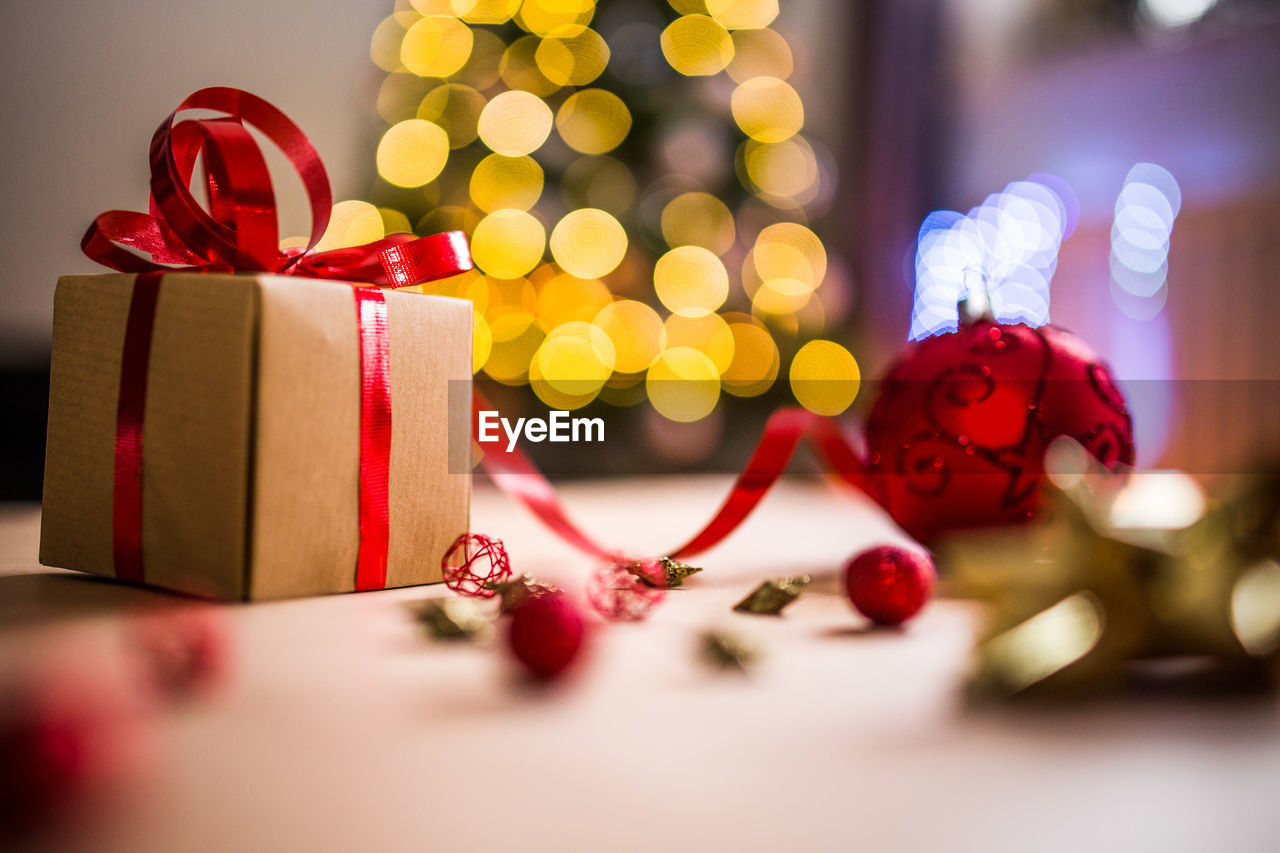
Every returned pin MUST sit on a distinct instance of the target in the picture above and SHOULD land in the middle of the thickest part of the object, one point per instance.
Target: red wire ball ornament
(888, 584)
(957, 434)
(546, 634)
(474, 563)
(182, 653)
(618, 595)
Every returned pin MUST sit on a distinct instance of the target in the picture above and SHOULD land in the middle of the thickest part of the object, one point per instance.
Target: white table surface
(340, 728)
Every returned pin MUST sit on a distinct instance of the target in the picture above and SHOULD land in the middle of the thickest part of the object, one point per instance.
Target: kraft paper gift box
(252, 433)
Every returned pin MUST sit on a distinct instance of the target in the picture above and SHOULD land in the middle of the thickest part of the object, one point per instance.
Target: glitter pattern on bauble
(957, 434)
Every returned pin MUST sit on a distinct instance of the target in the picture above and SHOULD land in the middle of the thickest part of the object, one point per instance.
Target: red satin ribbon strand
(126, 497)
(782, 435)
(375, 437)
(434, 257)
(516, 475)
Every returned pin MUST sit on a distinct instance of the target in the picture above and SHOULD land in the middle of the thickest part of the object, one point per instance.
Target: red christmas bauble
(547, 633)
(957, 434)
(889, 585)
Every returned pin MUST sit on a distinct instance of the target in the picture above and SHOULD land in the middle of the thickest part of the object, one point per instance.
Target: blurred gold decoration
(634, 241)
(454, 618)
(517, 589)
(728, 651)
(772, 596)
(674, 573)
(1081, 603)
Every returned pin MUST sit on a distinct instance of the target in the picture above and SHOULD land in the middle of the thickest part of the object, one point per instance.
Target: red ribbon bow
(239, 232)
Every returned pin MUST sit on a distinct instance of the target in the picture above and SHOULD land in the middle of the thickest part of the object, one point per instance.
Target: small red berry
(888, 584)
(547, 633)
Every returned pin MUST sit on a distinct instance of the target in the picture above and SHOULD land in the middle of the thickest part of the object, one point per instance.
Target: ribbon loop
(237, 229)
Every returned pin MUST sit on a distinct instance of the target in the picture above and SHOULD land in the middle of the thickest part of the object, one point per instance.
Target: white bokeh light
(1145, 211)
(1007, 246)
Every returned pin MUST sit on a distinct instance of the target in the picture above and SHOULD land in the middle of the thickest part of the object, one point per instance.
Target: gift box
(251, 452)
(242, 421)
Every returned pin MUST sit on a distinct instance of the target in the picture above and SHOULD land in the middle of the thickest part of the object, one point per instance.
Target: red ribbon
(238, 231)
(375, 438)
(516, 475)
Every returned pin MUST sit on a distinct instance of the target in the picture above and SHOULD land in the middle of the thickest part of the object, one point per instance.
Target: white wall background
(84, 83)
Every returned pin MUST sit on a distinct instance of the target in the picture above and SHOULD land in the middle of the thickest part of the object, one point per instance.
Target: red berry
(888, 584)
(547, 634)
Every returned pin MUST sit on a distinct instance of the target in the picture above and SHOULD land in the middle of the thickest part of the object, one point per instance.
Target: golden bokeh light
(588, 243)
(482, 68)
(760, 53)
(709, 334)
(352, 223)
(431, 7)
(790, 250)
(683, 385)
(564, 309)
(593, 121)
(436, 46)
(697, 45)
(456, 108)
(551, 396)
(566, 298)
(599, 181)
(576, 358)
(394, 222)
(786, 169)
(384, 47)
(767, 109)
(519, 68)
(490, 12)
(470, 285)
(743, 14)
(572, 55)
(542, 17)
(515, 123)
(779, 296)
(698, 219)
(412, 153)
(508, 243)
(500, 182)
(510, 296)
(636, 331)
(448, 217)
(691, 280)
(824, 377)
(481, 342)
(755, 360)
(399, 96)
(515, 340)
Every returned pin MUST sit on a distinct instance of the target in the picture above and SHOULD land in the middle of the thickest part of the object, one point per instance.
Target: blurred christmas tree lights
(637, 191)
